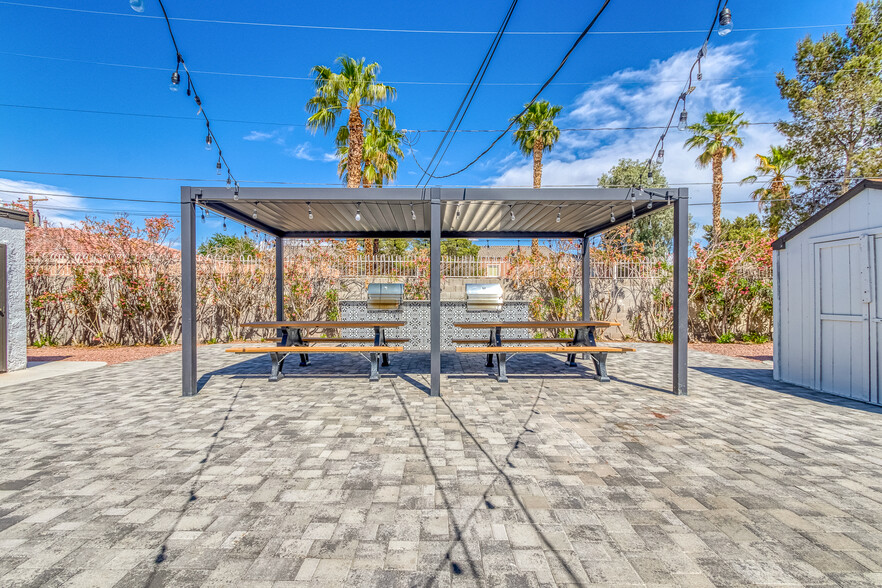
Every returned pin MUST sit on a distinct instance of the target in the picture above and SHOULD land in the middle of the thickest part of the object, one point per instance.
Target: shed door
(843, 337)
(876, 319)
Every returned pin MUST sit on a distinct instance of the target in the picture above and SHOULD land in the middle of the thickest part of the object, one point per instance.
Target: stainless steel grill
(484, 297)
(384, 296)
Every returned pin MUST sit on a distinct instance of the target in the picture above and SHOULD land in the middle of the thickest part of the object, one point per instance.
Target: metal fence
(405, 266)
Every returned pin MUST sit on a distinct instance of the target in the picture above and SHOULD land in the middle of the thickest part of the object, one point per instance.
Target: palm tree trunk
(538, 146)
(717, 197)
(356, 149)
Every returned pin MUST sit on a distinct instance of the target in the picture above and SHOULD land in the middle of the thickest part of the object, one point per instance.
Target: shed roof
(781, 242)
(404, 212)
(13, 214)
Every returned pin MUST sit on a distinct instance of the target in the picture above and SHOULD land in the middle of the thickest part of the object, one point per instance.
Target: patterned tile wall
(416, 314)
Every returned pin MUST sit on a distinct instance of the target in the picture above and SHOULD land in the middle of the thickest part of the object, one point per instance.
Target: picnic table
(292, 340)
(583, 341)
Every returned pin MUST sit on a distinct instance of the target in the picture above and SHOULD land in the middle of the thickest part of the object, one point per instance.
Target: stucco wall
(12, 233)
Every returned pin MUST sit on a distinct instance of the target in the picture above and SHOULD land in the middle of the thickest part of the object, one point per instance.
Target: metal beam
(275, 194)
(681, 290)
(586, 280)
(188, 294)
(435, 291)
(230, 212)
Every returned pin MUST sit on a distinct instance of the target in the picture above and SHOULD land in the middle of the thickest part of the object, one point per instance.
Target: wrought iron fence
(404, 266)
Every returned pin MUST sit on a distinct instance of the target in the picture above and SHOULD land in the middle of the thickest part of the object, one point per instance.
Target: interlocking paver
(111, 478)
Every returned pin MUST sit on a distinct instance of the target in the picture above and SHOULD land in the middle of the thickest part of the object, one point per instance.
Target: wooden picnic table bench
(583, 341)
(293, 341)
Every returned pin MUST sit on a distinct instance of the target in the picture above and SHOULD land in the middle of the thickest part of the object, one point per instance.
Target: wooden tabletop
(324, 324)
(537, 324)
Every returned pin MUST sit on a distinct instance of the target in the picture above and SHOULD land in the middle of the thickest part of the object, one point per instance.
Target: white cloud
(640, 97)
(278, 136)
(51, 209)
(308, 152)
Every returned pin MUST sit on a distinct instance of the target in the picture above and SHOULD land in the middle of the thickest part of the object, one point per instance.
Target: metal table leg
(501, 375)
(495, 341)
(297, 339)
(584, 336)
(375, 367)
(380, 340)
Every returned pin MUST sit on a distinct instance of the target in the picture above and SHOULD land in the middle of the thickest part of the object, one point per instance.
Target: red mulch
(754, 351)
(109, 355)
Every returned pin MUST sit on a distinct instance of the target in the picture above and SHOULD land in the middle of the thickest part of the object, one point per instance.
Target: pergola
(435, 214)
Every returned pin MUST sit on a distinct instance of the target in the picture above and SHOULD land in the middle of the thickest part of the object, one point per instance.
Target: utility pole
(30, 202)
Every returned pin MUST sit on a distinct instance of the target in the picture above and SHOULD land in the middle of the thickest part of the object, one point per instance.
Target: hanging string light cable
(210, 138)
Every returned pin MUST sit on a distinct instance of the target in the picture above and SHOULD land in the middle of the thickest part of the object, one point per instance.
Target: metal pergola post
(280, 281)
(188, 293)
(681, 289)
(435, 289)
(586, 279)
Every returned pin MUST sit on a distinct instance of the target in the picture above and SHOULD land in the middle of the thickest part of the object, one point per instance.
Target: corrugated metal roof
(464, 212)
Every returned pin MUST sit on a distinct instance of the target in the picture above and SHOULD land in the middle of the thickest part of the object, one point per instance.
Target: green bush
(664, 337)
(755, 338)
(726, 338)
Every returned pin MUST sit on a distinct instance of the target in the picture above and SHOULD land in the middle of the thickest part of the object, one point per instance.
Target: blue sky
(57, 59)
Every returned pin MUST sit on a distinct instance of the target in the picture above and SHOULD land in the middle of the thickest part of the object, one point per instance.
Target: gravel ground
(110, 355)
(754, 351)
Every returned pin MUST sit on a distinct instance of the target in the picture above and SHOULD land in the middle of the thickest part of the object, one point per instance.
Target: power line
(470, 94)
(283, 124)
(421, 31)
(404, 82)
(535, 96)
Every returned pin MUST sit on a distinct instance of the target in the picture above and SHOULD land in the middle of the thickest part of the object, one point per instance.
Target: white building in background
(13, 316)
(828, 298)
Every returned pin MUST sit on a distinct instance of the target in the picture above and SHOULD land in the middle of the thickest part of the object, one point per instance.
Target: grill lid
(484, 297)
(382, 296)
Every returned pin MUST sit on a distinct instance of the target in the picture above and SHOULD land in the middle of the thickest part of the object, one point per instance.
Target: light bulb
(309, 210)
(175, 81)
(725, 22)
(649, 206)
(412, 213)
(254, 214)
(683, 120)
(457, 211)
(229, 182)
(511, 213)
(137, 5)
(661, 156)
(203, 216)
(633, 196)
(649, 176)
(208, 142)
(612, 217)
(358, 213)
(225, 224)
(633, 212)
(198, 103)
(557, 220)
(218, 167)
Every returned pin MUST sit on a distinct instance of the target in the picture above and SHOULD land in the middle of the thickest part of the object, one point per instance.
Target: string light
(203, 216)
(557, 220)
(229, 181)
(254, 212)
(412, 213)
(218, 163)
(198, 103)
(358, 212)
(175, 77)
(612, 216)
(684, 118)
(225, 224)
(649, 206)
(236, 192)
(633, 212)
(660, 159)
(309, 210)
(511, 212)
(457, 210)
(725, 22)
(208, 138)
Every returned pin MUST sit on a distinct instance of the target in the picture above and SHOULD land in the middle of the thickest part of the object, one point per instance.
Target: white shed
(828, 298)
(13, 315)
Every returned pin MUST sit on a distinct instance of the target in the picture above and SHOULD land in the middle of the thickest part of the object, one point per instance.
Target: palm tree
(381, 150)
(774, 194)
(354, 87)
(537, 134)
(718, 137)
